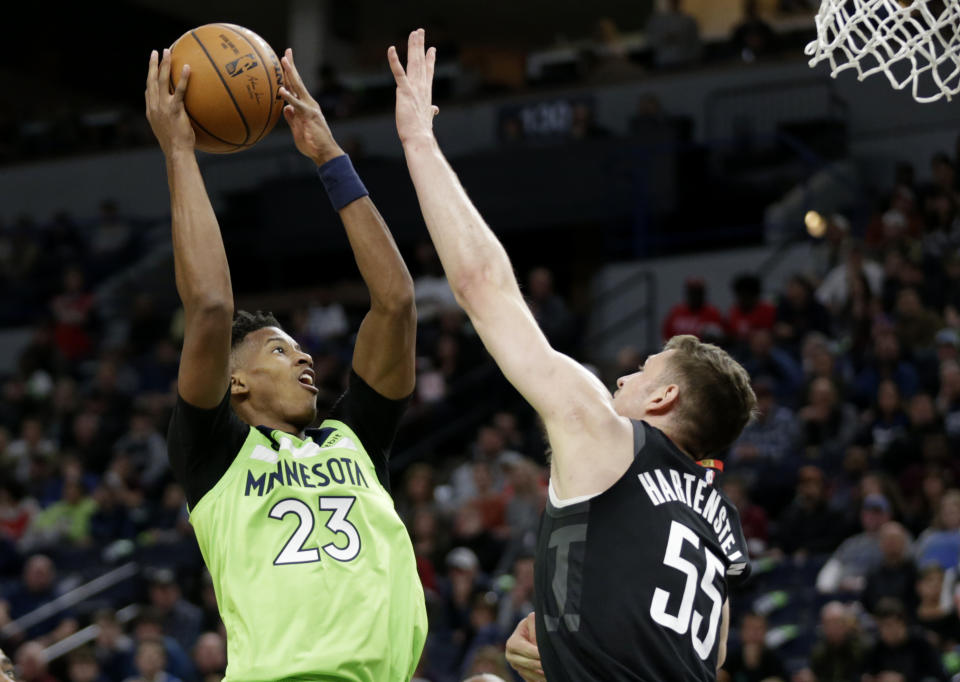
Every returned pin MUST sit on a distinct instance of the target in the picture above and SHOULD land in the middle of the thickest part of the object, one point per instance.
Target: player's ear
(662, 399)
(238, 384)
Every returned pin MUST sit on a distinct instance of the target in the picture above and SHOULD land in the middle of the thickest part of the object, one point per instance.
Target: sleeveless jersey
(314, 571)
(630, 583)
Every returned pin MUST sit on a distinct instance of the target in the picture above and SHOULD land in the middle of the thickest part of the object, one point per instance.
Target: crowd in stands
(848, 476)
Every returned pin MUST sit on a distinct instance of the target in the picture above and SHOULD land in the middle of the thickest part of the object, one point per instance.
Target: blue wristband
(341, 181)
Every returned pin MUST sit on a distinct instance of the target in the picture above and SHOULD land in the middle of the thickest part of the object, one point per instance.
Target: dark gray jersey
(630, 584)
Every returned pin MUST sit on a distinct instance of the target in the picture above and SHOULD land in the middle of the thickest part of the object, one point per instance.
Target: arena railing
(86, 635)
(70, 599)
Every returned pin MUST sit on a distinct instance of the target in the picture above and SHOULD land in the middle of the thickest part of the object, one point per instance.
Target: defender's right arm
(200, 261)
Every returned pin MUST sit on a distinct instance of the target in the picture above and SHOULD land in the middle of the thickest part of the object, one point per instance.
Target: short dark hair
(244, 323)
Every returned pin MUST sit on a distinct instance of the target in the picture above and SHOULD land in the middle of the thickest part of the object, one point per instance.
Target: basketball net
(915, 43)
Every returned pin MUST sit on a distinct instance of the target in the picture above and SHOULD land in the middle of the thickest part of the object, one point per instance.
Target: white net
(915, 43)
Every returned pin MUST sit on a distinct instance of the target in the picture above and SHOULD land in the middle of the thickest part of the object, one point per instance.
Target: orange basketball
(233, 95)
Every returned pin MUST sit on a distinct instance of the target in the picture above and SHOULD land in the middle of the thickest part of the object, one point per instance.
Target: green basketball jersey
(314, 571)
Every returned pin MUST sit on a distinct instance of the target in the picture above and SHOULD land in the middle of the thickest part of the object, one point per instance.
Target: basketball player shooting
(314, 572)
(636, 547)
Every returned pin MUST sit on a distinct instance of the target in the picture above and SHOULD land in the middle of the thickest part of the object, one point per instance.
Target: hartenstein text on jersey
(691, 491)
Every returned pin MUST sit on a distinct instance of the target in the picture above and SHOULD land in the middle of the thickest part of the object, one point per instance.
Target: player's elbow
(396, 299)
(474, 284)
(209, 308)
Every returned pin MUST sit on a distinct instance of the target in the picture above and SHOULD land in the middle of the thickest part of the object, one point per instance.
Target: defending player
(636, 546)
(313, 570)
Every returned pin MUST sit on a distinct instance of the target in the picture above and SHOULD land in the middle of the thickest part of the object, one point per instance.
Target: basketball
(233, 95)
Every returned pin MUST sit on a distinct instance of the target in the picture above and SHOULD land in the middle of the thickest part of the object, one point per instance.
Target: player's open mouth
(306, 380)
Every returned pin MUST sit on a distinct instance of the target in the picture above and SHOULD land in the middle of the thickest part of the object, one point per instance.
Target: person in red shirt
(750, 311)
(694, 316)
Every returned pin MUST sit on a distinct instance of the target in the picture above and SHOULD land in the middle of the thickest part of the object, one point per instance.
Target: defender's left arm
(384, 352)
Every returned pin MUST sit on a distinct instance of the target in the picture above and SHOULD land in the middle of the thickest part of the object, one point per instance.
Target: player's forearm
(471, 254)
(377, 256)
(200, 261)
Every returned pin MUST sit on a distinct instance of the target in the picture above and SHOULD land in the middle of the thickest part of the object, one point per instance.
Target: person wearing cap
(857, 556)
(947, 343)
(181, 619)
(834, 291)
(694, 315)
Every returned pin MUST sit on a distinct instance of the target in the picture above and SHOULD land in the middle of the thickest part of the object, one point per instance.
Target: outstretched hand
(522, 653)
(311, 133)
(415, 109)
(165, 111)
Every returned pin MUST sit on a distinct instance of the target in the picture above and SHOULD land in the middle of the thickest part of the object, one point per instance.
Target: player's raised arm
(570, 399)
(384, 352)
(200, 262)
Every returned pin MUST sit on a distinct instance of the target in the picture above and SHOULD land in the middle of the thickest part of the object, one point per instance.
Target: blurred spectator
(38, 585)
(16, 511)
(210, 657)
(74, 316)
(761, 358)
(484, 629)
(550, 310)
(112, 519)
(916, 326)
(326, 318)
(839, 654)
(753, 660)
(82, 666)
(896, 576)
(886, 361)
(896, 223)
(148, 627)
(431, 289)
(859, 555)
(753, 518)
(66, 522)
(694, 315)
(749, 311)
(886, 421)
(753, 37)
(940, 543)
(146, 449)
(935, 614)
(488, 665)
(835, 290)
(827, 425)
(673, 36)
(31, 443)
(111, 239)
(180, 619)
(112, 648)
(417, 492)
(469, 532)
(150, 662)
(31, 664)
(900, 650)
(767, 443)
(799, 313)
(489, 448)
(517, 602)
(808, 525)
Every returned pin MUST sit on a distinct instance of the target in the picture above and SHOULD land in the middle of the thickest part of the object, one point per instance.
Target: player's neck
(274, 423)
(667, 426)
